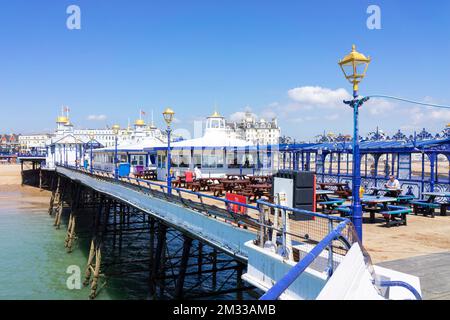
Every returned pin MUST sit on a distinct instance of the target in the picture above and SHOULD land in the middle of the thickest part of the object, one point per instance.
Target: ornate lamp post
(168, 117)
(116, 129)
(354, 67)
(91, 168)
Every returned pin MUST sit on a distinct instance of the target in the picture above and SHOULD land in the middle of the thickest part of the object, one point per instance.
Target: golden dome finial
(62, 119)
(139, 122)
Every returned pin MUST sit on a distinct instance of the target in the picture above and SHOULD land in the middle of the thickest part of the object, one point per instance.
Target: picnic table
(328, 204)
(259, 179)
(232, 185)
(149, 174)
(376, 204)
(258, 190)
(236, 176)
(388, 192)
(340, 189)
(427, 206)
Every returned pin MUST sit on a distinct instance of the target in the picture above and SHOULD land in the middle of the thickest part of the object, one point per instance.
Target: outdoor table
(236, 176)
(321, 192)
(149, 174)
(389, 192)
(259, 189)
(432, 199)
(372, 203)
(341, 188)
(322, 196)
(228, 185)
(258, 179)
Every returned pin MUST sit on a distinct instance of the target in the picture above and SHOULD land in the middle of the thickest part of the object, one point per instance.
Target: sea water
(34, 263)
(33, 260)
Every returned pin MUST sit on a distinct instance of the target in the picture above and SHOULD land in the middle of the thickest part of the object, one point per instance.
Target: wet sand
(13, 195)
(422, 235)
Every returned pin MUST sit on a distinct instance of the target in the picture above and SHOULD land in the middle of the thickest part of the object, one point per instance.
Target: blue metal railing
(164, 188)
(283, 284)
(402, 284)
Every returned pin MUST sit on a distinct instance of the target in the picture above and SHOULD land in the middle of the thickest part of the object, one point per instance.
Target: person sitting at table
(394, 185)
(197, 172)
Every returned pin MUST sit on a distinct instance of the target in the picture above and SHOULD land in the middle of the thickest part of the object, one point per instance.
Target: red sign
(235, 207)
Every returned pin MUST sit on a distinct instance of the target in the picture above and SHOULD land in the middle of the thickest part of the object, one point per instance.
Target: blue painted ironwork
(403, 285)
(169, 162)
(277, 290)
(356, 202)
(116, 159)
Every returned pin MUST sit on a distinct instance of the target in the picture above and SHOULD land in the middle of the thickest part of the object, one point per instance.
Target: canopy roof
(373, 146)
(136, 146)
(208, 141)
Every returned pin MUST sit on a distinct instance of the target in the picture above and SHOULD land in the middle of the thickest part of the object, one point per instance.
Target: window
(212, 158)
(184, 158)
(197, 158)
(232, 159)
(161, 160)
(137, 160)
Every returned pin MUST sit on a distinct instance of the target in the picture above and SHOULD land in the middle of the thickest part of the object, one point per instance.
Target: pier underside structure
(150, 244)
(188, 247)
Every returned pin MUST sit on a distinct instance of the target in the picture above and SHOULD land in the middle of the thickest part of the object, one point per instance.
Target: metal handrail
(402, 284)
(163, 187)
(280, 286)
(306, 212)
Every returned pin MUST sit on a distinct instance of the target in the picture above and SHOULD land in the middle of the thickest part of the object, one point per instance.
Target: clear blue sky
(192, 54)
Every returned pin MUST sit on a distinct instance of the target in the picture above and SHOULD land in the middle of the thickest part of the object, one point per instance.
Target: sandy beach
(23, 196)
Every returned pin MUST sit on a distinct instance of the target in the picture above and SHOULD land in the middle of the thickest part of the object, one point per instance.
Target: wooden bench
(195, 186)
(396, 215)
(217, 190)
(423, 207)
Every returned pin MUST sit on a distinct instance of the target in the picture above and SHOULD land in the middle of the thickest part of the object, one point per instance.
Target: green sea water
(33, 260)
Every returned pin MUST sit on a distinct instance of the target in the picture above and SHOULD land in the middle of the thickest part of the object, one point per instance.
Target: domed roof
(215, 115)
(139, 122)
(62, 119)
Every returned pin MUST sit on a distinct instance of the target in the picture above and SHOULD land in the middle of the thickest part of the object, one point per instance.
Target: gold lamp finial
(354, 66)
(168, 115)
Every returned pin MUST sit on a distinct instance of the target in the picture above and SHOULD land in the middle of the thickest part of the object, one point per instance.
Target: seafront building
(33, 143)
(253, 130)
(216, 153)
(9, 143)
(70, 146)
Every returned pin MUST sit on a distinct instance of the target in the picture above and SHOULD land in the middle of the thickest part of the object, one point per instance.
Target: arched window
(427, 167)
(442, 168)
(368, 165)
(384, 166)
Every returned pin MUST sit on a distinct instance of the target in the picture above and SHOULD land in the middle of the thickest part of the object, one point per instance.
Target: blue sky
(271, 57)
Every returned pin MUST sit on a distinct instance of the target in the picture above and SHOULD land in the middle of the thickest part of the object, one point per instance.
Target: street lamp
(354, 67)
(116, 129)
(168, 117)
(91, 168)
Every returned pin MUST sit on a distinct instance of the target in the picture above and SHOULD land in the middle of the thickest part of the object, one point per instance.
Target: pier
(191, 245)
(178, 259)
